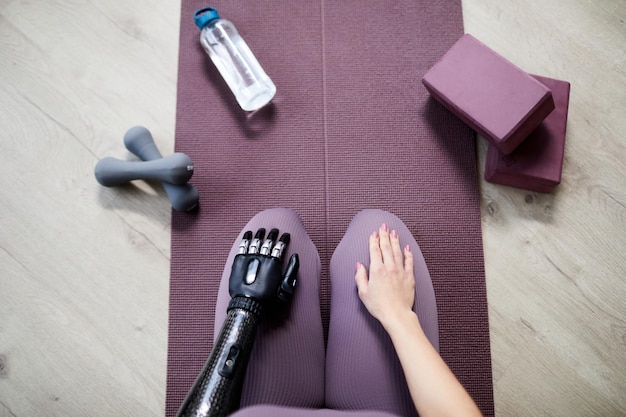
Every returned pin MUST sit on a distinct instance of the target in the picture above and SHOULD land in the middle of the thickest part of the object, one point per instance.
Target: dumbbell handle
(175, 169)
(138, 140)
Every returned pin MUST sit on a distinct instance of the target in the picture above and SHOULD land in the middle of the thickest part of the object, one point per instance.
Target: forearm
(434, 388)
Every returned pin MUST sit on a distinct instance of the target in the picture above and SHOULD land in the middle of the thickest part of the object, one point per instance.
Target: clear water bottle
(234, 60)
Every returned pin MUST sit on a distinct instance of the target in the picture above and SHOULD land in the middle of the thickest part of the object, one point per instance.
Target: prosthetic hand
(256, 283)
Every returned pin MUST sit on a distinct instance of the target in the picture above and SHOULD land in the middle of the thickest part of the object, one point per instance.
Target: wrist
(401, 323)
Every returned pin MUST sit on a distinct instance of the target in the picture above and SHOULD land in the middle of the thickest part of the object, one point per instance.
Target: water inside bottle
(238, 66)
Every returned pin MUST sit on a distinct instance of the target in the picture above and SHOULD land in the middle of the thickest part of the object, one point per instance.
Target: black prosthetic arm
(256, 281)
(217, 389)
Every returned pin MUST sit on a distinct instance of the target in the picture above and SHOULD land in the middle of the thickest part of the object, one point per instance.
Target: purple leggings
(290, 373)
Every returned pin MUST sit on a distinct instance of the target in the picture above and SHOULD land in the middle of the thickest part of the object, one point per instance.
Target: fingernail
(375, 235)
(394, 234)
(384, 227)
(358, 265)
(408, 248)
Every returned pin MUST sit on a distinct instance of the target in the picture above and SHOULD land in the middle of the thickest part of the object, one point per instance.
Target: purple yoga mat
(351, 127)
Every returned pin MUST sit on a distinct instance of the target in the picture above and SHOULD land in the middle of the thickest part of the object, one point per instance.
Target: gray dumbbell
(175, 169)
(138, 140)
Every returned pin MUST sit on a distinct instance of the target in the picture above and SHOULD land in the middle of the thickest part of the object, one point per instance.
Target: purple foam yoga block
(537, 163)
(491, 95)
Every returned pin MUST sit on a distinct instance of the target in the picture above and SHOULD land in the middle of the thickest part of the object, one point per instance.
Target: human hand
(389, 291)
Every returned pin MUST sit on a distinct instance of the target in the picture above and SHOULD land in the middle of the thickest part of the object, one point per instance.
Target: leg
(287, 362)
(362, 368)
(274, 411)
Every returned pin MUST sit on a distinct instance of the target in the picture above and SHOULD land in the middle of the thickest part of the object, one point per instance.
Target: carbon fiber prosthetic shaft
(217, 389)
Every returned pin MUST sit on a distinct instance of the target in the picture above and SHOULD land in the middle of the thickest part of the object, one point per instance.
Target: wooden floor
(84, 270)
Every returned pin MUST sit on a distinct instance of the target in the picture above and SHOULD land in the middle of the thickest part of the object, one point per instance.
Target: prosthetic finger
(269, 242)
(280, 247)
(245, 243)
(255, 245)
(285, 292)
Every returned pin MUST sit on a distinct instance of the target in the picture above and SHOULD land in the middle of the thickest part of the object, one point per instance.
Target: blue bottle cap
(204, 16)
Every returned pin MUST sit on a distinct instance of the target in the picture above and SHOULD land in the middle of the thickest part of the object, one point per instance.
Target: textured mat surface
(351, 127)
